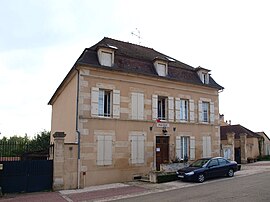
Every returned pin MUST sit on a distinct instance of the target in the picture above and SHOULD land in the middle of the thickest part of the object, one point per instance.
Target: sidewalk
(115, 191)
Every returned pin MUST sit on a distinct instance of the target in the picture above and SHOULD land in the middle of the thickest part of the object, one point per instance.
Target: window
(161, 69)
(162, 108)
(204, 78)
(222, 161)
(137, 149)
(104, 150)
(137, 105)
(104, 103)
(205, 111)
(213, 162)
(184, 110)
(227, 153)
(106, 58)
(185, 147)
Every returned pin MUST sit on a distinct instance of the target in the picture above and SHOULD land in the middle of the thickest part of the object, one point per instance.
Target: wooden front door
(162, 150)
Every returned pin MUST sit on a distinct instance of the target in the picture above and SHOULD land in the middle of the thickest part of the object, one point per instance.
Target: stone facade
(122, 146)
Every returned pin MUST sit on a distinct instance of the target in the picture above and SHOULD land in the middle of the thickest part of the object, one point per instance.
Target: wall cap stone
(59, 134)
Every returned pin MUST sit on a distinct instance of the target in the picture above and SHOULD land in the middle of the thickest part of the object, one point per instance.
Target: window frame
(105, 110)
(184, 111)
(162, 108)
(205, 112)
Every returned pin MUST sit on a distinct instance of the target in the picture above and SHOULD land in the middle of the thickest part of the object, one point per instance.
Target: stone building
(125, 109)
(239, 143)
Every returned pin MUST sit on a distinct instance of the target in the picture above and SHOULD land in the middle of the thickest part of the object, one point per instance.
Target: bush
(264, 158)
(168, 177)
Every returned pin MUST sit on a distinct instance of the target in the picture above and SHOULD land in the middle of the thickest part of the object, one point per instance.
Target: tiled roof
(138, 59)
(237, 129)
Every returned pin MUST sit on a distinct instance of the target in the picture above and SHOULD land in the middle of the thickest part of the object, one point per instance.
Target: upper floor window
(162, 108)
(104, 103)
(205, 111)
(184, 110)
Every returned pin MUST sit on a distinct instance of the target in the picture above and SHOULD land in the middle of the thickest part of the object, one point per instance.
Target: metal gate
(26, 176)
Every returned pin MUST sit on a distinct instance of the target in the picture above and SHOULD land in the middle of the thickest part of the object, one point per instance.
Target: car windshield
(199, 163)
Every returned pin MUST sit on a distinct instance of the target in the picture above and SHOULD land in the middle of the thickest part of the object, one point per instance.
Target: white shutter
(207, 151)
(171, 108)
(192, 148)
(178, 147)
(104, 150)
(108, 150)
(191, 110)
(134, 106)
(116, 103)
(212, 112)
(140, 106)
(94, 101)
(100, 150)
(140, 144)
(204, 147)
(177, 109)
(154, 107)
(134, 149)
(200, 112)
(106, 59)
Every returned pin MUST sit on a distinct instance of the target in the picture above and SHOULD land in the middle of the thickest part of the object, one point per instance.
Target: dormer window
(161, 67)
(203, 74)
(106, 55)
(106, 58)
(205, 78)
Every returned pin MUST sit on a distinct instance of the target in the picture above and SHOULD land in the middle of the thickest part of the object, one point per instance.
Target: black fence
(17, 151)
(25, 168)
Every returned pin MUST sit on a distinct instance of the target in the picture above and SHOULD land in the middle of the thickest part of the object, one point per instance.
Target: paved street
(247, 189)
(249, 184)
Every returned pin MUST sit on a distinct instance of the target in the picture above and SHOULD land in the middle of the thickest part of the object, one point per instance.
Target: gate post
(243, 143)
(58, 161)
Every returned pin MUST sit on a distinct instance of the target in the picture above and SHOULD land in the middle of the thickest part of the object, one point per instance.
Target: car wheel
(201, 178)
(230, 173)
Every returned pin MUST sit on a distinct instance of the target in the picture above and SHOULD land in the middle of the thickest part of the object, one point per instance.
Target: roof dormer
(161, 66)
(203, 74)
(106, 55)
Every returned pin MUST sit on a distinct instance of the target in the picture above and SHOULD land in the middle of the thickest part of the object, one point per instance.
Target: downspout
(77, 130)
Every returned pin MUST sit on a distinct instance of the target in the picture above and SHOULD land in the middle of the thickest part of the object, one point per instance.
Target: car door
(223, 166)
(213, 168)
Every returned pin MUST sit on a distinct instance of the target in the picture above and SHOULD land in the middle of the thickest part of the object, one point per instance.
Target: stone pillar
(230, 138)
(243, 147)
(58, 161)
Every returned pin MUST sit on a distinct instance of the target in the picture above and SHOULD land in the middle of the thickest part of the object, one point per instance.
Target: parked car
(206, 168)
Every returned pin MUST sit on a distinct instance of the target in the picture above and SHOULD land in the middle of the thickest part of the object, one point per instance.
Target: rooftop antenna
(137, 34)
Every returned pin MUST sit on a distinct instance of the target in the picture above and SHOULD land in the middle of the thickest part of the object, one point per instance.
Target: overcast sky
(40, 41)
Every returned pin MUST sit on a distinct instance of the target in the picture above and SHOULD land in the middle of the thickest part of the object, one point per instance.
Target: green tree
(40, 142)
(17, 146)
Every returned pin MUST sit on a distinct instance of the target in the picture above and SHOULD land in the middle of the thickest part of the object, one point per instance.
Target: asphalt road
(251, 188)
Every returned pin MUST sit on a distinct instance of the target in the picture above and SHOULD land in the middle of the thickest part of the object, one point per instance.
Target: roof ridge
(128, 43)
